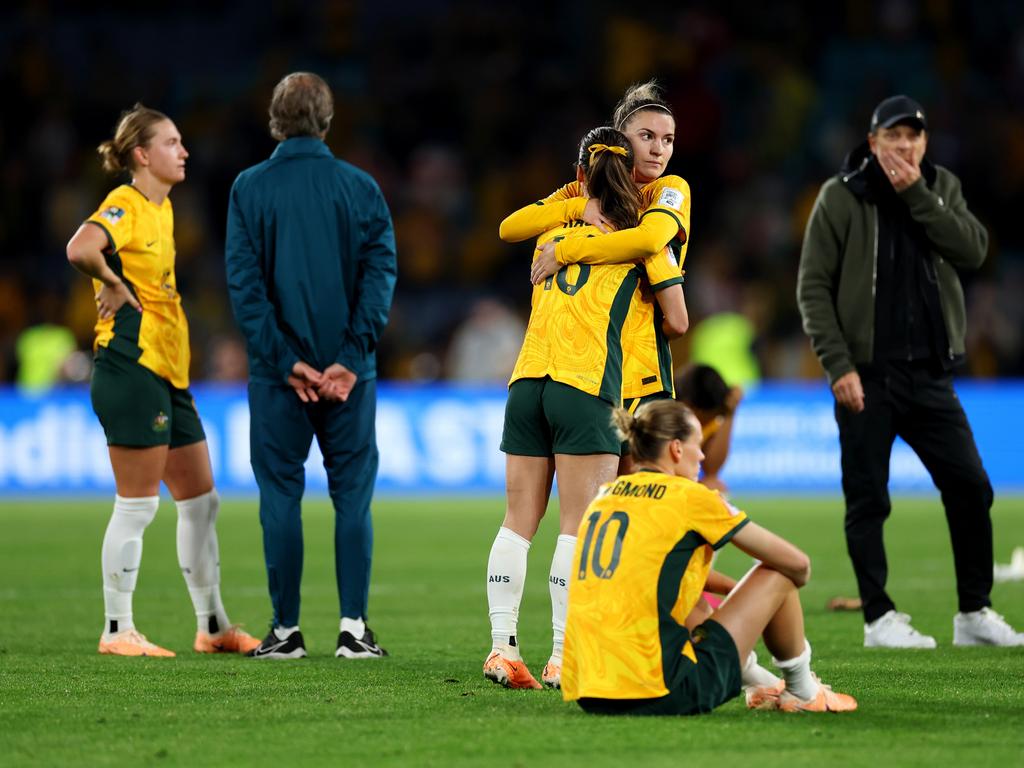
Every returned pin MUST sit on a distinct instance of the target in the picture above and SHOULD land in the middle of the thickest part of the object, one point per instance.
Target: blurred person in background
(140, 386)
(703, 390)
(311, 267)
(882, 303)
(43, 348)
(567, 379)
(485, 346)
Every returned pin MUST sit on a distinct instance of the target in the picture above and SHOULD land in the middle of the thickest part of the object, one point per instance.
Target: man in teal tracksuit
(310, 255)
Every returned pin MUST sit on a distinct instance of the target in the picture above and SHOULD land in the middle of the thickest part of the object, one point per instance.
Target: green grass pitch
(63, 704)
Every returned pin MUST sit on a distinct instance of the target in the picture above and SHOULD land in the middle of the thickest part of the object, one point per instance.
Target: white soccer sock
(356, 626)
(199, 558)
(506, 577)
(797, 674)
(121, 556)
(753, 674)
(558, 586)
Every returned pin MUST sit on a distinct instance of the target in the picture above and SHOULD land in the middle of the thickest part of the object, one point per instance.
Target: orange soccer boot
(551, 676)
(509, 673)
(234, 639)
(131, 642)
(764, 696)
(827, 700)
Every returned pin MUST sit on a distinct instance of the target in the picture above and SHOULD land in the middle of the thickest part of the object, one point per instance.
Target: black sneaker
(273, 647)
(363, 648)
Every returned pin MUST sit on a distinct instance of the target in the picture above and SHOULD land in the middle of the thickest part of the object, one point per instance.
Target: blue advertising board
(444, 439)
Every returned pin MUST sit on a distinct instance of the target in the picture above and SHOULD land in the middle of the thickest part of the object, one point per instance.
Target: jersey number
(562, 277)
(602, 571)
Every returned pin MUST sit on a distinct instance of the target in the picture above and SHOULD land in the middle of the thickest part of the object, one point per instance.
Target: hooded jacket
(837, 280)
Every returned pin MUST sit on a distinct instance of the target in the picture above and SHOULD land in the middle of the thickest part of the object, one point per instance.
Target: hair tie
(595, 149)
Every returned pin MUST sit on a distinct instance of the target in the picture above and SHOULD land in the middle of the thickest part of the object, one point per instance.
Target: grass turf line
(62, 703)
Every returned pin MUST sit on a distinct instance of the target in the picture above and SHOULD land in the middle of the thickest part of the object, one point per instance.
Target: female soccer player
(642, 558)
(140, 386)
(646, 119)
(703, 390)
(558, 417)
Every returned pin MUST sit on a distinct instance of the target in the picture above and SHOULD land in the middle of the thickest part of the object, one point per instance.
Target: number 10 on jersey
(593, 562)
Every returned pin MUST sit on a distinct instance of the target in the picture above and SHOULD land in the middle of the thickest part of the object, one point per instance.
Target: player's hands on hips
(305, 379)
(112, 297)
(337, 383)
(901, 174)
(544, 265)
(592, 215)
(849, 392)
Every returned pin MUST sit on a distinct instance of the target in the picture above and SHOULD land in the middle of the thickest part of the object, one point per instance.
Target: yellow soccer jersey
(665, 217)
(643, 554)
(575, 333)
(647, 370)
(141, 253)
(647, 357)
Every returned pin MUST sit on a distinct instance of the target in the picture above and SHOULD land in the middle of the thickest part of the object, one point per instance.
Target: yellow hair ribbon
(594, 149)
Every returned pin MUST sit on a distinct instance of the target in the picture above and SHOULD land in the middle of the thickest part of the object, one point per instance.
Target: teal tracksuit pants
(281, 432)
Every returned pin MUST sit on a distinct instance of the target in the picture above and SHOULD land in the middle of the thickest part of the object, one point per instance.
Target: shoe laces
(992, 617)
(904, 620)
(133, 635)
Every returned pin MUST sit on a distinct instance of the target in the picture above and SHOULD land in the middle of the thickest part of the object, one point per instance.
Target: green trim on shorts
(139, 409)
(544, 417)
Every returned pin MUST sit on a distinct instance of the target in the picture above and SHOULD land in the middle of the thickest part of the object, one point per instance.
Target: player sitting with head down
(642, 557)
(703, 390)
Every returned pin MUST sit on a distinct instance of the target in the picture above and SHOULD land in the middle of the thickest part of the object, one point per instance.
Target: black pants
(919, 405)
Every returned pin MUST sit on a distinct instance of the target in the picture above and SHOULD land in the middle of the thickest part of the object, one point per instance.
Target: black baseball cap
(897, 109)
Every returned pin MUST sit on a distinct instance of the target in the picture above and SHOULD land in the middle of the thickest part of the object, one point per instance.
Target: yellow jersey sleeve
(650, 236)
(669, 197)
(713, 517)
(563, 205)
(662, 270)
(116, 216)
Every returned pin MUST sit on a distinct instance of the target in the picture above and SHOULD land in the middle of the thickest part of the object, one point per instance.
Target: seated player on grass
(703, 390)
(643, 556)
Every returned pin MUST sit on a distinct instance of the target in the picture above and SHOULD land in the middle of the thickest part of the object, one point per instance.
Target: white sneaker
(984, 627)
(893, 630)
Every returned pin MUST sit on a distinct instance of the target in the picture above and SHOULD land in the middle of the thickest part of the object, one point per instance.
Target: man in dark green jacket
(882, 303)
(311, 268)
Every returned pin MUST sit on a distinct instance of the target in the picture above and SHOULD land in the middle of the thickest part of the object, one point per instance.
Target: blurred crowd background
(465, 111)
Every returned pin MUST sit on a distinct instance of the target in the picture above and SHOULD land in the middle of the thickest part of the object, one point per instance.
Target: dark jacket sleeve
(375, 285)
(953, 230)
(247, 288)
(817, 286)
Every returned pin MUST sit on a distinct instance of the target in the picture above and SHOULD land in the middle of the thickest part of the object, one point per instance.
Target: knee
(974, 492)
(201, 509)
(866, 505)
